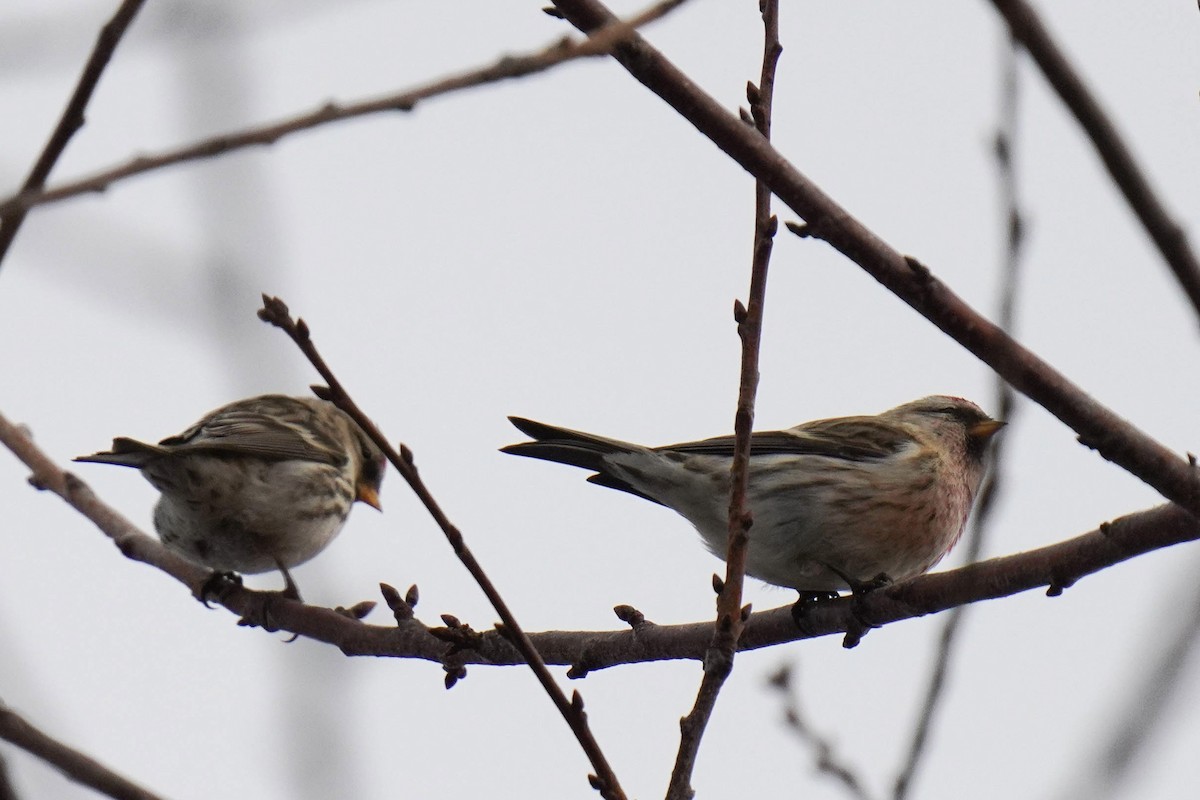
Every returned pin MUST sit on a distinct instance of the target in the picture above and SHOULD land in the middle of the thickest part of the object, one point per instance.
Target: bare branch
(1151, 699)
(827, 761)
(74, 764)
(1098, 427)
(72, 117)
(718, 663)
(7, 792)
(275, 312)
(598, 42)
(1165, 232)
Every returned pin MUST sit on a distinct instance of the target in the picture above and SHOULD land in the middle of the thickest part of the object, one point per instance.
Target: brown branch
(718, 663)
(1056, 566)
(599, 42)
(1165, 232)
(275, 312)
(74, 764)
(1098, 427)
(1005, 152)
(7, 792)
(72, 118)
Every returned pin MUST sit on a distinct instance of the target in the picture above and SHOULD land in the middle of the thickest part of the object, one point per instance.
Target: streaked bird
(843, 503)
(260, 484)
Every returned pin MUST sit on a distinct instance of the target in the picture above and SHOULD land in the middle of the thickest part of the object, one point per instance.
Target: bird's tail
(564, 446)
(577, 449)
(126, 453)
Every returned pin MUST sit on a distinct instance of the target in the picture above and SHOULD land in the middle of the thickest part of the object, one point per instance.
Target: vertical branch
(72, 117)
(1005, 145)
(718, 661)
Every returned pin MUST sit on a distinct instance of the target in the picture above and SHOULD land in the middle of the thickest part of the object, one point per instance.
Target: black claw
(808, 600)
(217, 585)
(880, 581)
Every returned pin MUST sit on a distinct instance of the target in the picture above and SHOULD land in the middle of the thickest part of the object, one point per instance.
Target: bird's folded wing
(848, 438)
(247, 433)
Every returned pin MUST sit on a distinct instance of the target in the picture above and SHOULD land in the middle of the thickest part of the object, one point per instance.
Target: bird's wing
(848, 438)
(275, 428)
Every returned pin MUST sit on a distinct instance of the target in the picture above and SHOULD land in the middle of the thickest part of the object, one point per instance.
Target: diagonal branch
(72, 763)
(599, 42)
(1098, 427)
(72, 117)
(718, 662)
(1165, 232)
(275, 312)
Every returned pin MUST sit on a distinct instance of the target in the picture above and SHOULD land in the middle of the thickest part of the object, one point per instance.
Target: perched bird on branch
(260, 484)
(843, 503)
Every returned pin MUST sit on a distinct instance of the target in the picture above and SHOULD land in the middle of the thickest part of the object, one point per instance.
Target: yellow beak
(368, 495)
(986, 429)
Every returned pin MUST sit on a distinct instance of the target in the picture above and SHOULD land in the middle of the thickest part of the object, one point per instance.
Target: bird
(260, 484)
(843, 503)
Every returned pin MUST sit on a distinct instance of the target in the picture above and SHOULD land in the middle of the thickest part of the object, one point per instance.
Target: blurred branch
(718, 663)
(1056, 566)
(74, 764)
(1011, 221)
(1167, 234)
(7, 792)
(276, 313)
(599, 42)
(1149, 699)
(72, 117)
(827, 761)
(1098, 427)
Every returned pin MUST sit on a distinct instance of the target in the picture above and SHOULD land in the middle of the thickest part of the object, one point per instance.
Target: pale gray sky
(566, 248)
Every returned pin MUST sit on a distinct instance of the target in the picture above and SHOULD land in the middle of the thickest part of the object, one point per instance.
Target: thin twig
(565, 49)
(1165, 232)
(1055, 566)
(1098, 427)
(718, 662)
(1013, 227)
(275, 312)
(74, 764)
(827, 761)
(72, 118)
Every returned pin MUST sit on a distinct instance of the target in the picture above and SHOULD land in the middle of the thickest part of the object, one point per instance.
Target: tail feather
(574, 448)
(126, 453)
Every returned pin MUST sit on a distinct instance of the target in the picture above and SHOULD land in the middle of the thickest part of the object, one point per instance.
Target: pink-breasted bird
(837, 503)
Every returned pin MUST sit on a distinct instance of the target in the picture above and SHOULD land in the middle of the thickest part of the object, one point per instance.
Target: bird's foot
(265, 611)
(860, 588)
(807, 601)
(217, 585)
(859, 625)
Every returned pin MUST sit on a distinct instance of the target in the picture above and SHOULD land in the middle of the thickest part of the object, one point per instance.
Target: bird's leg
(290, 590)
(859, 625)
(262, 616)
